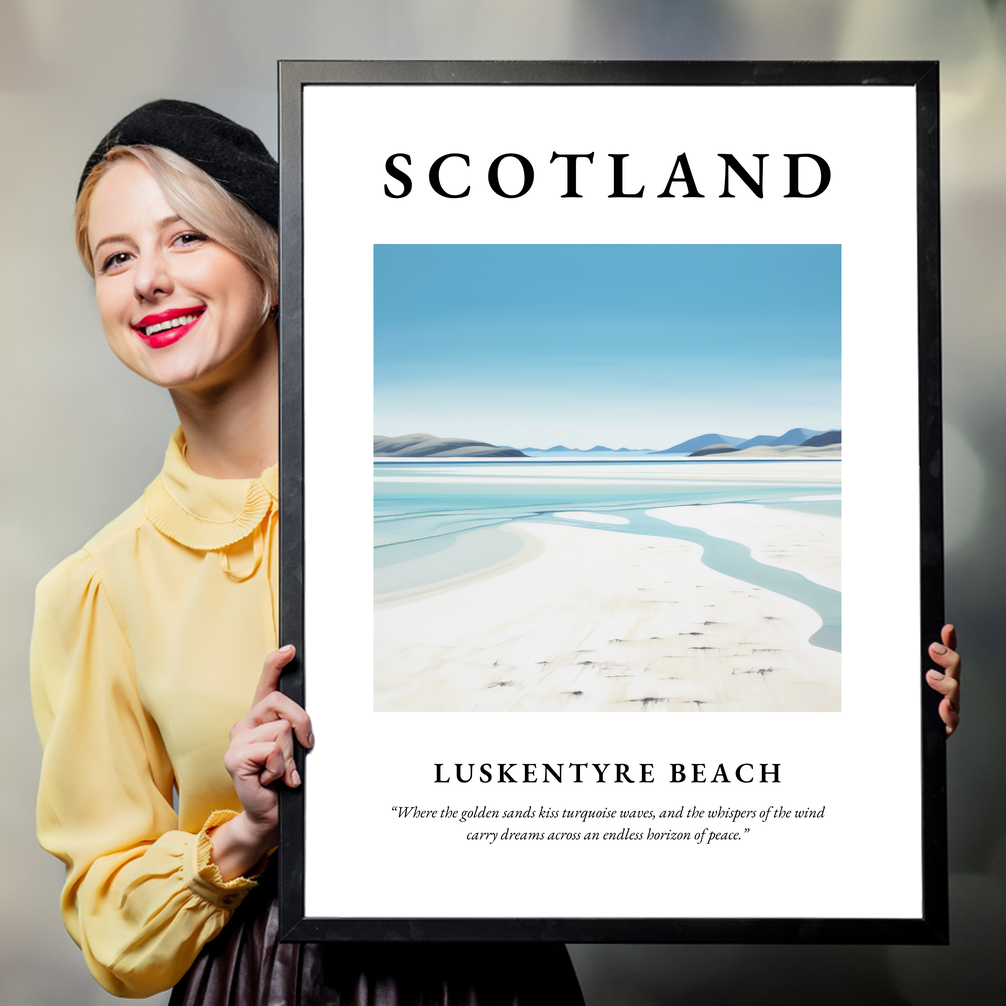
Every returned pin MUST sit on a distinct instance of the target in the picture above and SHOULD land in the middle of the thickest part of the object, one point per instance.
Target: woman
(149, 642)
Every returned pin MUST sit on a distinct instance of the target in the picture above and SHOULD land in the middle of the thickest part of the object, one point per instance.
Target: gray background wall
(82, 437)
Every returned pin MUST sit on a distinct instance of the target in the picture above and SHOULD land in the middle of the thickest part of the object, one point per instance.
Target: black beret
(230, 154)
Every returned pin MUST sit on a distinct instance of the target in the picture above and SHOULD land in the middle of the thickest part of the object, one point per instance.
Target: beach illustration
(607, 478)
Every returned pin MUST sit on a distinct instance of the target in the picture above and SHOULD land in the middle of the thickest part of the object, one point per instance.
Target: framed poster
(611, 501)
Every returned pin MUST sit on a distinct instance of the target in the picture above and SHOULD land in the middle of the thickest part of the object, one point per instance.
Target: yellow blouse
(147, 647)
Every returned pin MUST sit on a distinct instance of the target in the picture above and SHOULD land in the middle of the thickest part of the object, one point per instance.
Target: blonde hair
(199, 200)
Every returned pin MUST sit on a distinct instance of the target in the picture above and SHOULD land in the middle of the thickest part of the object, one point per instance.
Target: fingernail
(936, 675)
(310, 740)
(287, 649)
(938, 648)
(295, 777)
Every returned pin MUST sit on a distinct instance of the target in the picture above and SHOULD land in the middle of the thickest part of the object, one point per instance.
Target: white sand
(602, 620)
(810, 544)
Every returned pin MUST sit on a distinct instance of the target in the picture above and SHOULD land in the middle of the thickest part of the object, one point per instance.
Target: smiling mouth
(177, 321)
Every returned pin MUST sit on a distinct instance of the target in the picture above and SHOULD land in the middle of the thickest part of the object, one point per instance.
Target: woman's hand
(260, 753)
(947, 682)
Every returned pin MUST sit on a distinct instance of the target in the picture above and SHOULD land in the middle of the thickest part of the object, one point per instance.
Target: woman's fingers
(949, 636)
(949, 660)
(945, 655)
(261, 749)
(271, 671)
(278, 735)
(274, 766)
(261, 761)
(270, 703)
(949, 688)
(947, 680)
(277, 706)
(949, 710)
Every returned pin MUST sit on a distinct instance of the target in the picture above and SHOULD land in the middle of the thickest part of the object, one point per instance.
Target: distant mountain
(707, 443)
(759, 441)
(422, 445)
(714, 449)
(589, 450)
(831, 437)
(696, 443)
(794, 437)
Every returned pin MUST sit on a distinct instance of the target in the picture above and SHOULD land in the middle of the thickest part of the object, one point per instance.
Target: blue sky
(622, 345)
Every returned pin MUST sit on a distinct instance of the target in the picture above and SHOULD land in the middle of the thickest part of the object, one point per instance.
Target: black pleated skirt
(246, 965)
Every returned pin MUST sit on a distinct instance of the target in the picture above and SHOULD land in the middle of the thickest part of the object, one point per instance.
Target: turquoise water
(435, 520)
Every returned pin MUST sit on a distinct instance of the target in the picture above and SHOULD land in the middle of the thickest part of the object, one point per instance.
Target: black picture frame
(931, 926)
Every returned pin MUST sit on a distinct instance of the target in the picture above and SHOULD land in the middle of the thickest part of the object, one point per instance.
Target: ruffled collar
(203, 513)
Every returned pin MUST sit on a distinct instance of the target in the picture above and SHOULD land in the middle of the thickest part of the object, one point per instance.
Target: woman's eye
(114, 261)
(190, 238)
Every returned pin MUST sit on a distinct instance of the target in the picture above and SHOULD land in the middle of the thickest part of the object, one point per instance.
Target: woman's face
(177, 308)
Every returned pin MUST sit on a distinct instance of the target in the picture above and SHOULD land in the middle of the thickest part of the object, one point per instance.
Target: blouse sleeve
(141, 898)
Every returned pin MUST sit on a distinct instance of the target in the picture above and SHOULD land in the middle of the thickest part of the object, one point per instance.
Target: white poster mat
(863, 859)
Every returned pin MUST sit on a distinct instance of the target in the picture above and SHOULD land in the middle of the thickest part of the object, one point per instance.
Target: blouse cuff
(202, 876)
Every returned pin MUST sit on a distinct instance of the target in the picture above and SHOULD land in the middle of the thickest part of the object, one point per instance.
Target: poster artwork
(545, 539)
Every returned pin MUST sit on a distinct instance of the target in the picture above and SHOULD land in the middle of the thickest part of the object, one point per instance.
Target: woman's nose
(152, 277)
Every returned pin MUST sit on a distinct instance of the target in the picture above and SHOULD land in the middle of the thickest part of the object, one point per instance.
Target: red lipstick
(166, 327)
